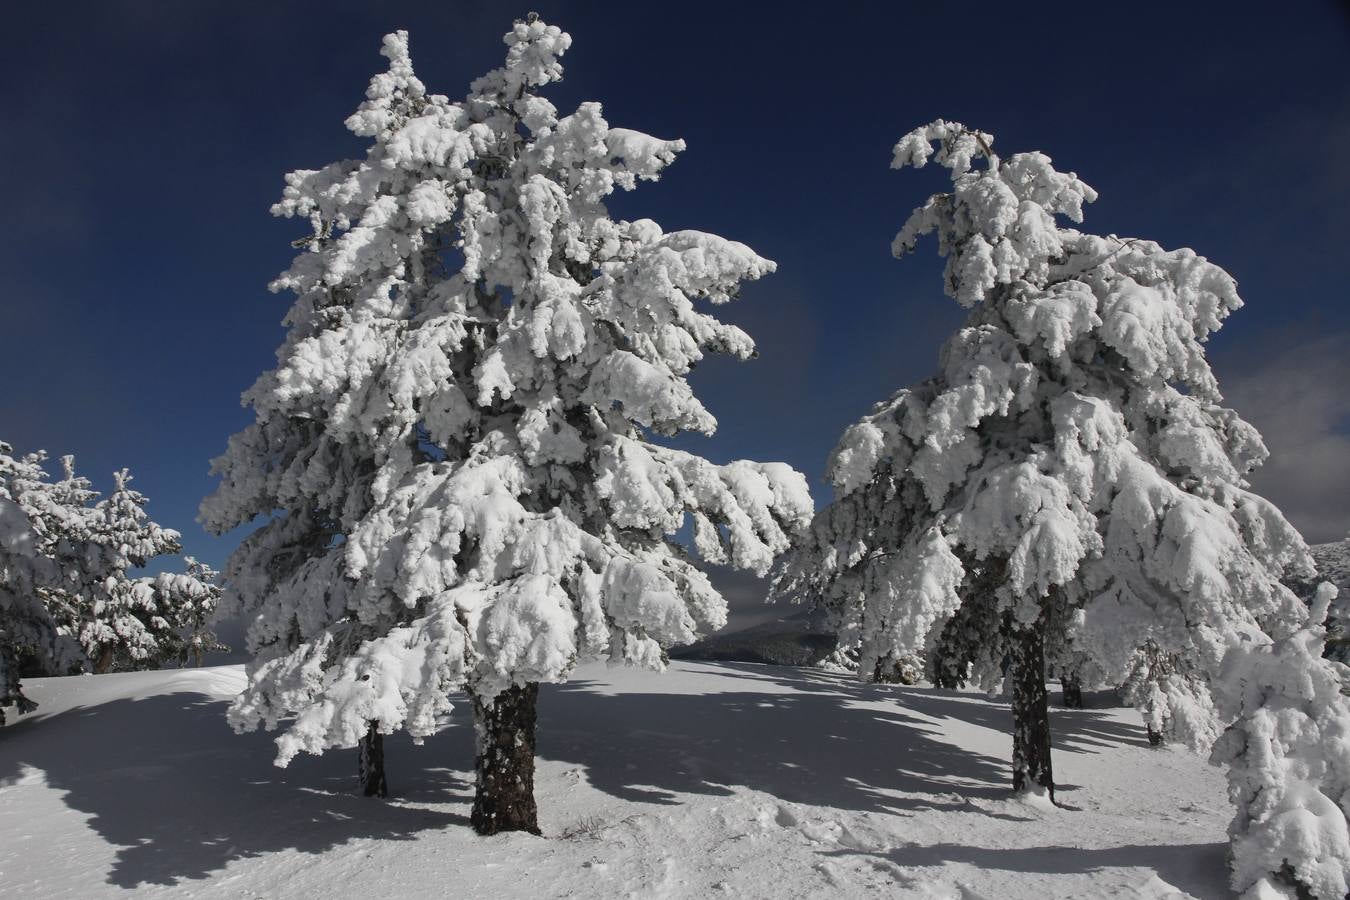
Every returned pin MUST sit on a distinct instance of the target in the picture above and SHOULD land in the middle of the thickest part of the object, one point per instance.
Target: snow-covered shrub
(839, 660)
(1068, 486)
(1173, 697)
(455, 452)
(1288, 753)
(905, 670)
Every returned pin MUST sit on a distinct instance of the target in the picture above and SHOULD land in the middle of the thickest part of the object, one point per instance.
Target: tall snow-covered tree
(1069, 483)
(456, 451)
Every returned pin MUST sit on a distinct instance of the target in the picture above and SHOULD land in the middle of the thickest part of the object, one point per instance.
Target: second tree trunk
(1031, 713)
(1073, 691)
(504, 764)
(370, 765)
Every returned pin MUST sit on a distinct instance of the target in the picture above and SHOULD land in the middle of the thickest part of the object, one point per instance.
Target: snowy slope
(710, 780)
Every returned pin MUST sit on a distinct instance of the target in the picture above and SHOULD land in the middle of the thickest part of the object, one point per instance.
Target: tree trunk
(504, 800)
(1072, 690)
(105, 661)
(945, 669)
(1031, 712)
(370, 765)
(1155, 738)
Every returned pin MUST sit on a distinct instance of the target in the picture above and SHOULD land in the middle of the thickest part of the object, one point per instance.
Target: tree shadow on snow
(811, 745)
(815, 745)
(1075, 730)
(168, 783)
(1190, 867)
(1071, 730)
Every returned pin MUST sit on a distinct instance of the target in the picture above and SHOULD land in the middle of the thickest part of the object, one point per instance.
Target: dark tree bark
(1031, 712)
(504, 764)
(948, 660)
(105, 661)
(1160, 665)
(1072, 690)
(977, 630)
(370, 765)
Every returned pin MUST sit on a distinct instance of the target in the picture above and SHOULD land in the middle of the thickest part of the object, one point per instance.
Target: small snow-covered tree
(189, 599)
(1173, 697)
(1069, 485)
(456, 450)
(67, 602)
(124, 621)
(1288, 753)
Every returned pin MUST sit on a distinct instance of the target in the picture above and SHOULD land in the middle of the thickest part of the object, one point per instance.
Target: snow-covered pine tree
(1288, 753)
(125, 622)
(1069, 483)
(67, 602)
(31, 637)
(64, 514)
(1173, 696)
(188, 599)
(455, 451)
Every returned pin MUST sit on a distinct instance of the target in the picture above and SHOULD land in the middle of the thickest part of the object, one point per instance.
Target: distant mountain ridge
(799, 639)
(1333, 563)
(803, 639)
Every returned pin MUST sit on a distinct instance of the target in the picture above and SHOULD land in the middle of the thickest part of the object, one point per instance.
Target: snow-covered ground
(710, 780)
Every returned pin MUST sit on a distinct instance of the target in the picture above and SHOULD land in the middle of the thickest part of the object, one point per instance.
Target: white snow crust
(705, 781)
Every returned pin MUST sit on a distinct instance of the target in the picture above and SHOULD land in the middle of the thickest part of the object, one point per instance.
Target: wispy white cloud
(1299, 398)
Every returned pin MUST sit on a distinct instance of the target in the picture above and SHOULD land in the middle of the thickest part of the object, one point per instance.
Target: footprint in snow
(827, 831)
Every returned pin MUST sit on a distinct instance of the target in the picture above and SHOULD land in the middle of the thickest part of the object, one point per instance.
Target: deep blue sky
(144, 141)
